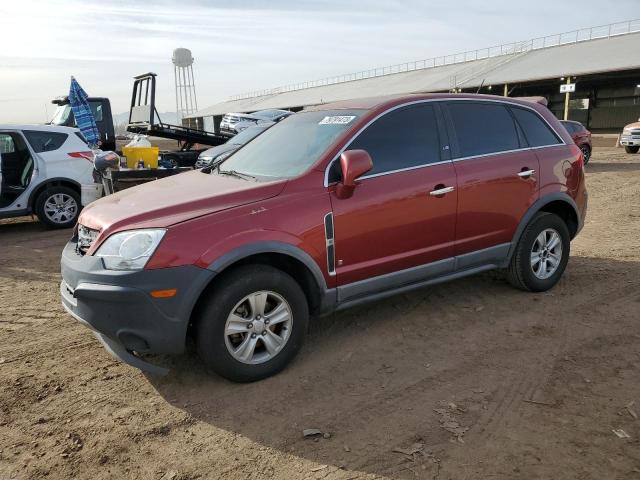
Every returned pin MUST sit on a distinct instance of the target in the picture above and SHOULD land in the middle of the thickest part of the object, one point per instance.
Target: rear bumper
(118, 305)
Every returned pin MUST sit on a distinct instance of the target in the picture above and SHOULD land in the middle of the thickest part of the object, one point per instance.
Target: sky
(240, 46)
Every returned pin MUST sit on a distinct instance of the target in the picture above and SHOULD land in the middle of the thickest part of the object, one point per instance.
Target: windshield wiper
(235, 173)
(212, 166)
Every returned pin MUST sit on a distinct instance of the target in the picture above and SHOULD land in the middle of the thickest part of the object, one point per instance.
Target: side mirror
(354, 164)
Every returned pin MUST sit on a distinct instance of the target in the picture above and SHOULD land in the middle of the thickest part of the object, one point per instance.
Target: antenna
(186, 102)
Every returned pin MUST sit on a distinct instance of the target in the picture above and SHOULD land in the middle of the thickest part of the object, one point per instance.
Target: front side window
(537, 132)
(403, 138)
(42, 141)
(482, 128)
(292, 146)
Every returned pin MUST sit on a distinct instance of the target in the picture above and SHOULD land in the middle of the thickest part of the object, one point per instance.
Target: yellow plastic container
(149, 155)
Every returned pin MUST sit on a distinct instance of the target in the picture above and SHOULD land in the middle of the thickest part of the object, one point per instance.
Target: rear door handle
(526, 173)
(441, 191)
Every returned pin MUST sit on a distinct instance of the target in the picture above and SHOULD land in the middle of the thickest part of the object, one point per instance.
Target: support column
(506, 90)
(566, 101)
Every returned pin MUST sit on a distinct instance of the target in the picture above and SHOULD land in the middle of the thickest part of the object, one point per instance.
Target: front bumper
(630, 141)
(119, 308)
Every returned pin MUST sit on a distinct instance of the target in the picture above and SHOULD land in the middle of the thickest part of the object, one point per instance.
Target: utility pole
(566, 100)
(506, 90)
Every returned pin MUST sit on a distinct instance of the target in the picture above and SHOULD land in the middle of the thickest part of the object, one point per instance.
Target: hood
(632, 125)
(174, 199)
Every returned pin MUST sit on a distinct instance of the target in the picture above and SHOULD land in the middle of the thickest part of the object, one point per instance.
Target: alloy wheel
(258, 327)
(60, 208)
(546, 253)
(585, 152)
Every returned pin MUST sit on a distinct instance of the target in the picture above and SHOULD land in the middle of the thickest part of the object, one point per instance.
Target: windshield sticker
(337, 120)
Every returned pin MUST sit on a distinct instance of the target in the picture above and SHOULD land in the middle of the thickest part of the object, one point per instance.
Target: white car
(46, 170)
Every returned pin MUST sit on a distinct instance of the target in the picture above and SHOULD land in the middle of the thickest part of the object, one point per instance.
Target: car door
(497, 178)
(400, 221)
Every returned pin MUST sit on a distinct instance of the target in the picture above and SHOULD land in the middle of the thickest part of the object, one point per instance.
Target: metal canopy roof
(525, 62)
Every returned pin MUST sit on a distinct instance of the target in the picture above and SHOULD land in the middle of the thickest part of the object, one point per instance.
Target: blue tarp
(82, 113)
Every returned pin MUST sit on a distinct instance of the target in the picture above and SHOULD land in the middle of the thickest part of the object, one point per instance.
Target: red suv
(581, 137)
(335, 206)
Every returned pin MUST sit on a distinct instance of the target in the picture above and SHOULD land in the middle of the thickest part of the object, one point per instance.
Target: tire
(586, 153)
(631, 149)
(522, 273)
(46, 202)
(214, 320)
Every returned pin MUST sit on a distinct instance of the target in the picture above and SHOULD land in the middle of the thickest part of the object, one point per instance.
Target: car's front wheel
(252, 324)
(58, 207)
(541, 254)
(631, 149)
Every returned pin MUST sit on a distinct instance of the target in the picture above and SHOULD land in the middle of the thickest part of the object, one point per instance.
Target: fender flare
(248, 250)
(533, 209)
(42, 186)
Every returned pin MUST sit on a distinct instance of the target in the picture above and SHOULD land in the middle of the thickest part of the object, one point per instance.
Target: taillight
(577, 153)
(86, 155)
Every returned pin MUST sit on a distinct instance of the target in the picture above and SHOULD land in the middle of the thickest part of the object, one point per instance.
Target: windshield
(61, 115)
(246, 135)
(289, 148)
(64, 115)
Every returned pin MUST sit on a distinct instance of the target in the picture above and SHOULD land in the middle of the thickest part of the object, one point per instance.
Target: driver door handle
(441, 191)
(526, 173)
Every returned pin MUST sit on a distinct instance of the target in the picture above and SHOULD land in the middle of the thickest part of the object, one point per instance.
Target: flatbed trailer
(116, 180)
(145, 119)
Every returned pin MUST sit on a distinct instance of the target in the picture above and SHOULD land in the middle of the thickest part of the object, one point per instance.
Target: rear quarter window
(482, 128)
(43, 141)
(536, 130)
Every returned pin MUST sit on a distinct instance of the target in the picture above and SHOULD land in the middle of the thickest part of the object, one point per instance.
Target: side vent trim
(330, 239)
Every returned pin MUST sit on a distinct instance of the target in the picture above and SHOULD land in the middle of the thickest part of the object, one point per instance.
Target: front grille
(86, 237)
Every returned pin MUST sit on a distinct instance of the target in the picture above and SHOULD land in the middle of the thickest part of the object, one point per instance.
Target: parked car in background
(581, 136)
(219, 153)
(233, 123)
(335, 206)
(46, 170)
(630, 138)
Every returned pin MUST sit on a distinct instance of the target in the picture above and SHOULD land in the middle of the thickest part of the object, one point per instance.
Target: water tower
(186, 102)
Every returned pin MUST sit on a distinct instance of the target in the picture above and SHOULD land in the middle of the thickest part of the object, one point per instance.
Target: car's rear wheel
(586, 153)
(58, 207)
(631, 149)
(253, 323)
(541, 254)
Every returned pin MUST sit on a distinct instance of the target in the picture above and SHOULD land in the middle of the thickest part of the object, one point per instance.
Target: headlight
(129, 250)
(206, 158)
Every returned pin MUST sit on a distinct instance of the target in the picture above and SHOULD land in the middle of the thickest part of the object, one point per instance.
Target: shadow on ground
(372, 377)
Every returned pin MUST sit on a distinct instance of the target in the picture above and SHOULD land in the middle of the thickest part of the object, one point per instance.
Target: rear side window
(482, 128)
(571, 128)
(537, 132)
(403, 138)
(43, 141)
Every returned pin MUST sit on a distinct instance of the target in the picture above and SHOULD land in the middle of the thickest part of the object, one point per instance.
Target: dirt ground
(466, 380)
